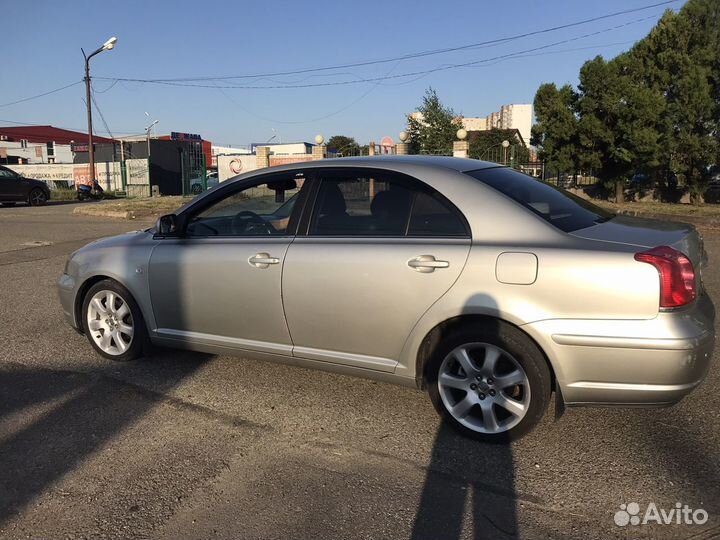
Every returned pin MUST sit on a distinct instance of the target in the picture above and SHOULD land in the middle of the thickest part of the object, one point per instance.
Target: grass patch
(148, 207)
(63, 195)
(670, 209)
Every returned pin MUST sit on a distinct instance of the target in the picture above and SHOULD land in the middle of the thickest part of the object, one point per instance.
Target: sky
(208, 40)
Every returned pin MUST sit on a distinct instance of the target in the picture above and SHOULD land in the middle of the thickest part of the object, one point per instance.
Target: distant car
(16, 188)
(483, 285)
(196, 184)
(712, 193)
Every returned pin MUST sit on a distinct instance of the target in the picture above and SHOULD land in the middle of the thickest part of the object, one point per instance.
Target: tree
(434, 131)
(654, 109)
(681, 56)
(556, 131)
(618, 118)
(343, 144)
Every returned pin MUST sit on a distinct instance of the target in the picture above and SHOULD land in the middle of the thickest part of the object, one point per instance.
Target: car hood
(120, 240)
(648, 233)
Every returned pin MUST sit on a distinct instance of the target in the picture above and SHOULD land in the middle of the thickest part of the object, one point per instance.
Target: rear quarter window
(564, 210)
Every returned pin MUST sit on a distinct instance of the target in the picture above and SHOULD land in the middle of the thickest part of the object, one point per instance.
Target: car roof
(393, 161)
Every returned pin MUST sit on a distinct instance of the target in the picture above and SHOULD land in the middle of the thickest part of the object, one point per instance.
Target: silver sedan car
(482, 285)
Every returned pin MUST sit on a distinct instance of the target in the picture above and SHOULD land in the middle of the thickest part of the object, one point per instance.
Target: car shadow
(52, 420)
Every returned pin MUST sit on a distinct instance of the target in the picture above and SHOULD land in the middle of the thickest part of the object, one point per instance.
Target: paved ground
(195, 446)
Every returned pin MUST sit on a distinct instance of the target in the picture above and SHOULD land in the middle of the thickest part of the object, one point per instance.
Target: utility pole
(107, 46)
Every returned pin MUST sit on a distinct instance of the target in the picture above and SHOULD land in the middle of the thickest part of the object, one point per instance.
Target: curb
(101, 212)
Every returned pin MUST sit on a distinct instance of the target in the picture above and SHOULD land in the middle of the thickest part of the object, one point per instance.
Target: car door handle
(262, 260)
(426, 263)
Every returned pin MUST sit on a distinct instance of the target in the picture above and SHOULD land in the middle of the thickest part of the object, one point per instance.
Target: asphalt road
(184, 445)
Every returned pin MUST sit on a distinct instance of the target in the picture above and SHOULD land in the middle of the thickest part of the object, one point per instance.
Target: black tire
(196, 189)
(37, 197)
(139, 337)
(524, 351)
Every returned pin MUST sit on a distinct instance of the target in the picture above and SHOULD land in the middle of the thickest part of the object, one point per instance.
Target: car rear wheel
(113, 322)
(491, 383)
(196, 189)
(37, 197)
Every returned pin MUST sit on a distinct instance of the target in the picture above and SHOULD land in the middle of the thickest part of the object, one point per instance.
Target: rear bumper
(637, 363)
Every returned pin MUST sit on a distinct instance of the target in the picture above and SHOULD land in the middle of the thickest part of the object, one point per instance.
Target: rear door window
(558, 207)
(381, 204)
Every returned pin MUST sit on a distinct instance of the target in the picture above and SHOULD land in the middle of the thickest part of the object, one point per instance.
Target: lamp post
(107, 46)
(505, 145)
(147, 135)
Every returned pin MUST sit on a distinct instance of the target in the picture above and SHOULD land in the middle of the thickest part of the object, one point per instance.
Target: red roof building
(46, 134)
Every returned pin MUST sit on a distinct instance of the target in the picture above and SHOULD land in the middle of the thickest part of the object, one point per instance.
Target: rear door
(377, 249)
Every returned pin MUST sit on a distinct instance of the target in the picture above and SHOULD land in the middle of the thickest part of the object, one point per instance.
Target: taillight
(677, 275)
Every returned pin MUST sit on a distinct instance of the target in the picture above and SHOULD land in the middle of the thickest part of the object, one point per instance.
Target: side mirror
(166, 225)
(280, 187)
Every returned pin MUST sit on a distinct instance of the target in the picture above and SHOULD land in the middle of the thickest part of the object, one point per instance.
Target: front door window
(259, 210)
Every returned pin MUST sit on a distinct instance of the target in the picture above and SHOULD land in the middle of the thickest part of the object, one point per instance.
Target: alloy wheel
(484, 388)
(38, 197)
(110, 322)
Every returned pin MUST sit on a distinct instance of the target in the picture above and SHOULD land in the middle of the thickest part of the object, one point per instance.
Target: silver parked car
(483, 285)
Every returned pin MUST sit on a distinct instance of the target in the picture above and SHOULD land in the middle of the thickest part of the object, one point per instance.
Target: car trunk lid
(650, 233)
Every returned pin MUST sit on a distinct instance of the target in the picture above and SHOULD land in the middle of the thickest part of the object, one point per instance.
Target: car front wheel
(37, 197)
(113, 322)
(491, 383)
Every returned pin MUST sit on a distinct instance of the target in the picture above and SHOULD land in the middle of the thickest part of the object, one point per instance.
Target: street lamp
(107, 46)
(147, 135)
(505, 145)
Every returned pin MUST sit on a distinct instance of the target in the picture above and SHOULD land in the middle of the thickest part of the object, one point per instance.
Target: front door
(219, 282)
(11, 187)
(380, 249)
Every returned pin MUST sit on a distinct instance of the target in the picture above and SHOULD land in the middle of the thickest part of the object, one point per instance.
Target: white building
(27, 152)
(514, 116)
(216, 151)
(474, 124)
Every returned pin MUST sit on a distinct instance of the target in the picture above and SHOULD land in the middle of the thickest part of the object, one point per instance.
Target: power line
(251, 112)
(40, 95)
(444, 67)
(402, 57)
(323, 117)
(102, 117)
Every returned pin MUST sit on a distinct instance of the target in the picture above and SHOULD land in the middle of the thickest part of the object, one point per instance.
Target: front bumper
(66, 291)
(635, 362)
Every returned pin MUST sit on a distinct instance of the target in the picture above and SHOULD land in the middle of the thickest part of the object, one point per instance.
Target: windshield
(564, 210)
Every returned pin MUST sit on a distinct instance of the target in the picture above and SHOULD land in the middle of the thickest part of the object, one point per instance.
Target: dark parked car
(16, 188)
